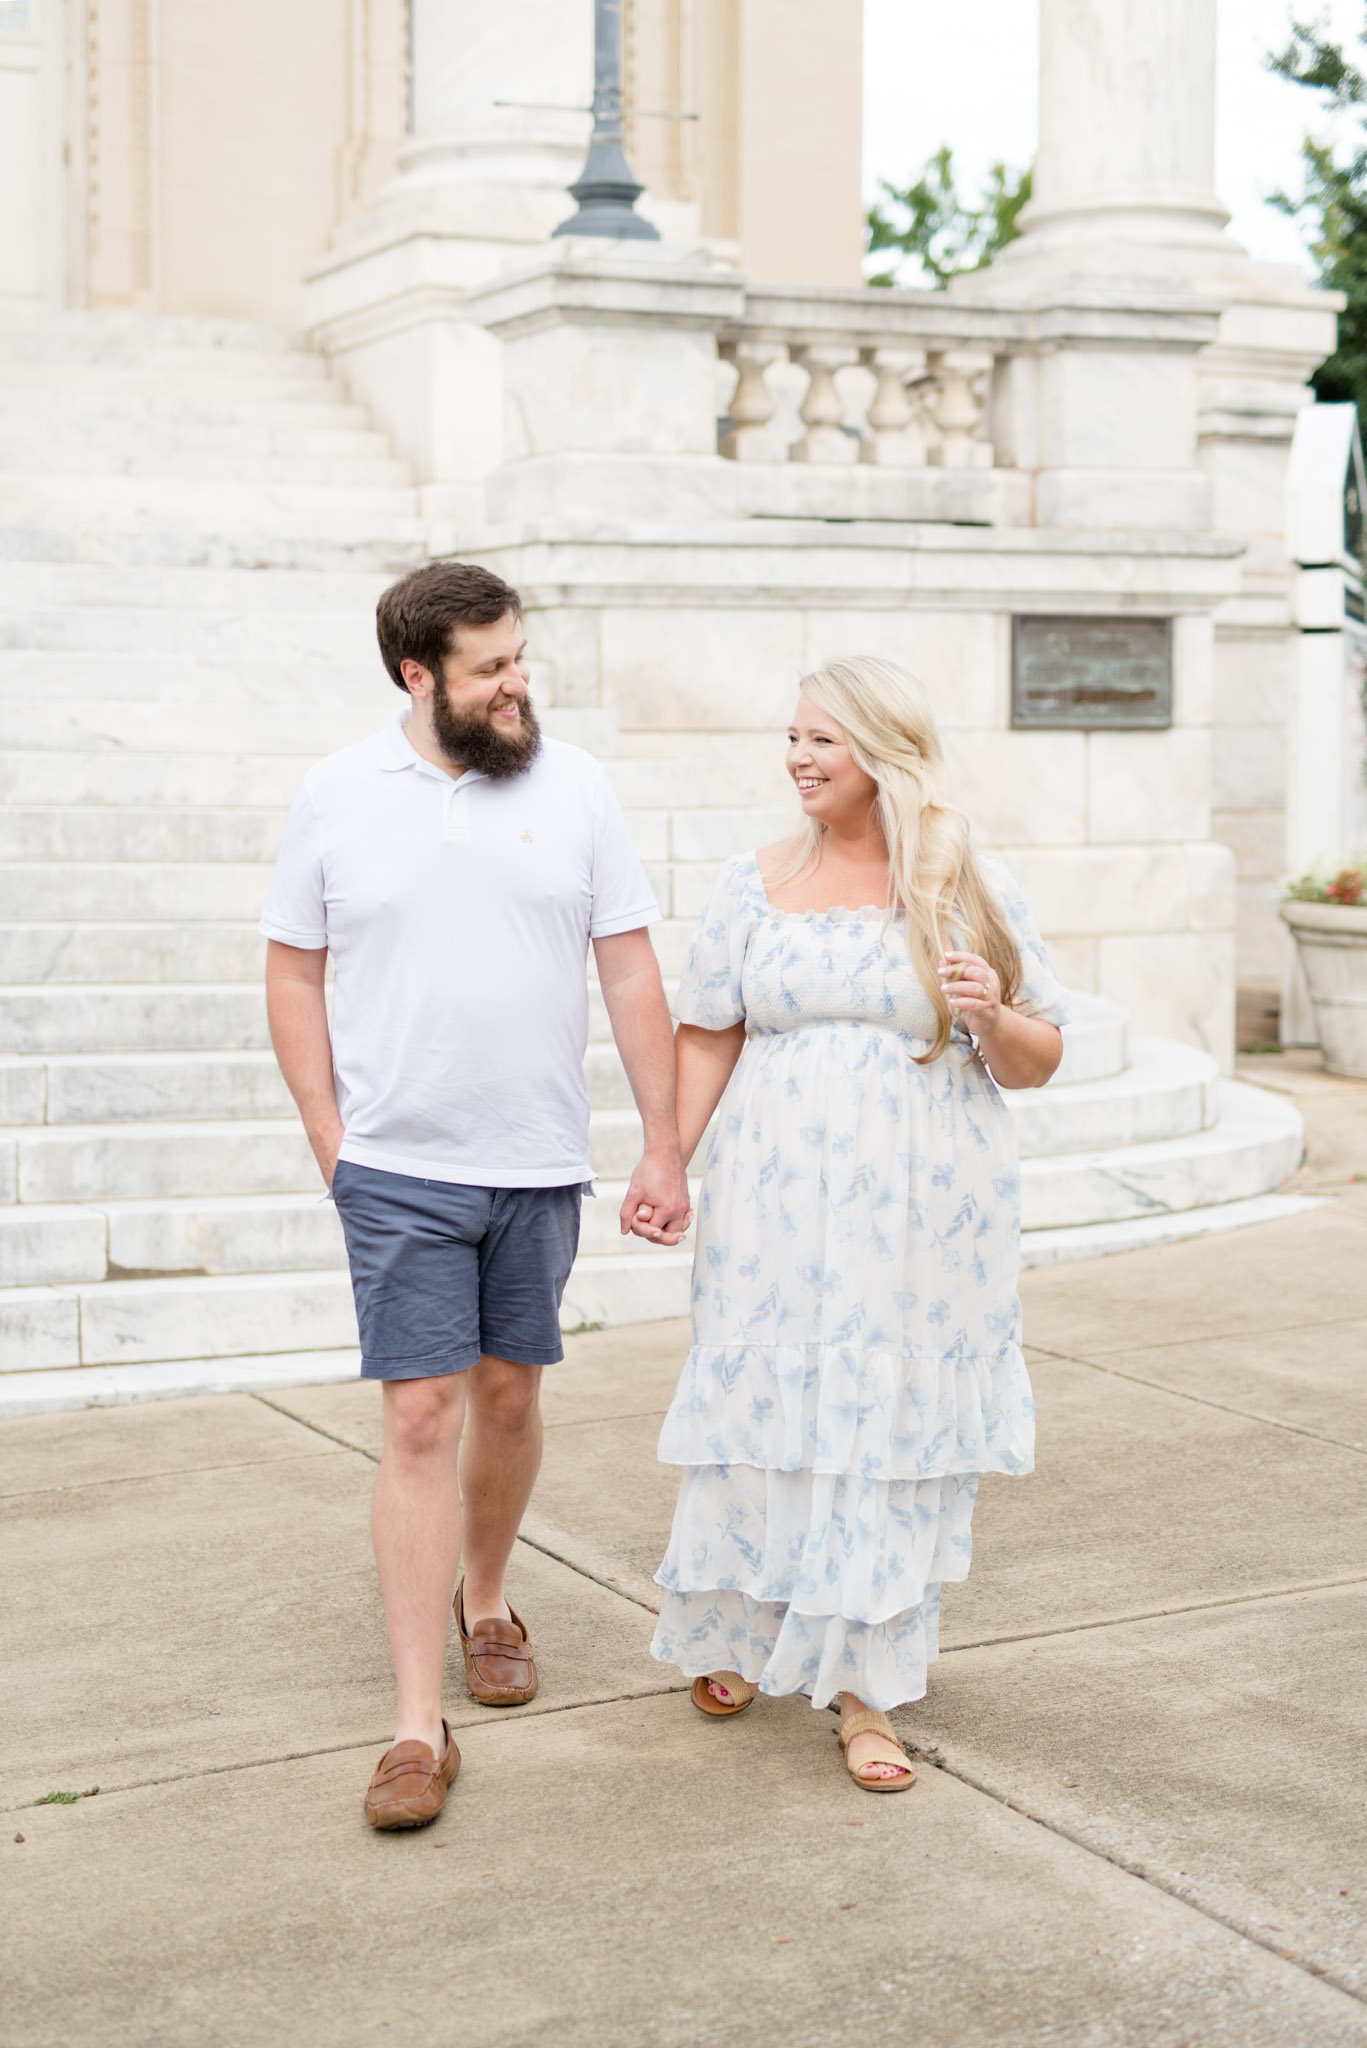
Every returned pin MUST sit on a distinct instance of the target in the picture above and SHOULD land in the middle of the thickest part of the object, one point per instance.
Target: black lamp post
(605, 189)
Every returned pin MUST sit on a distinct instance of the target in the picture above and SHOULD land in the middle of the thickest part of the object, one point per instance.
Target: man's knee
(505, 1393)
(423, 1417)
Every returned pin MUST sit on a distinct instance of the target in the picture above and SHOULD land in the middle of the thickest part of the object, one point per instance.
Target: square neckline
(839, 913)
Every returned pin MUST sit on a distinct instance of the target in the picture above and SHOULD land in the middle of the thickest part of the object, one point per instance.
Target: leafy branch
(1332, 205)
(929, 221)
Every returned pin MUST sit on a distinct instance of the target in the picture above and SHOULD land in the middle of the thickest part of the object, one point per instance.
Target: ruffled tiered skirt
(856, 1365)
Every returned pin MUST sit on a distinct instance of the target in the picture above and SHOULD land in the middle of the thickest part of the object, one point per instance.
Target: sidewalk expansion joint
(1073, 1628)
(1339, 1443)
(171, 1472)
(556, 1557)
(597, 1421)
(1319, 1973)
(1221, 1336)
(492, 1718)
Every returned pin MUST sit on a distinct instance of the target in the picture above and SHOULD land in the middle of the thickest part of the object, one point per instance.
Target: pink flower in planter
(1347, 886)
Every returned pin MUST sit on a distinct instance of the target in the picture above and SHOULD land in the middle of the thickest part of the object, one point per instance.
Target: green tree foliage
(1333, 205)
(931, 221)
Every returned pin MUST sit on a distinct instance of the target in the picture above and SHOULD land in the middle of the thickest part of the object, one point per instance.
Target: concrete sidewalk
(1140, 1815)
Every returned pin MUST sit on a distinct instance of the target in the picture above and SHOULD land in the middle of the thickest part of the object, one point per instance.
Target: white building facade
(276, 329)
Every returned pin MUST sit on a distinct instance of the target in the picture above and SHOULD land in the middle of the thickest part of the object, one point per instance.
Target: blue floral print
(856, 1359)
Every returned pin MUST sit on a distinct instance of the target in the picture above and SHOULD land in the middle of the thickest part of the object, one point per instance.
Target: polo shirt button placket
(457, 828)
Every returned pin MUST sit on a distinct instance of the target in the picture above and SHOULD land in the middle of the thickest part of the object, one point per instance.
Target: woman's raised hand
(974, 991)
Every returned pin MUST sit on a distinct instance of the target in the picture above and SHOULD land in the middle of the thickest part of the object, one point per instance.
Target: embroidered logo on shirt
(527, 838)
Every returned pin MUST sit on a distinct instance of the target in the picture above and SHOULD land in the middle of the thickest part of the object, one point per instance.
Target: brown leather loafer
(409, 1785)
(499, 1670)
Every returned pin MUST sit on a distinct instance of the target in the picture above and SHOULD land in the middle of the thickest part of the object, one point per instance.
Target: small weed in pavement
(66, 1798)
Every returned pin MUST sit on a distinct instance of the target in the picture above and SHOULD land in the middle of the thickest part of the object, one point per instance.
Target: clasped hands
(656, 1205)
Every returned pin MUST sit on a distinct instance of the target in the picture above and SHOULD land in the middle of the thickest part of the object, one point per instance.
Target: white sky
(967, 74)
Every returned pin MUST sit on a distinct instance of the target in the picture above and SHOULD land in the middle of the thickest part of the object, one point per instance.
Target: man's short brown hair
(417, 616)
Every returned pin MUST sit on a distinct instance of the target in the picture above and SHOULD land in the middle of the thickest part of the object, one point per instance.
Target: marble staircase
(194, 525)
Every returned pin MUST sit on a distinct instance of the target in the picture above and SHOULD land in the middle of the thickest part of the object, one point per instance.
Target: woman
(856, 1359)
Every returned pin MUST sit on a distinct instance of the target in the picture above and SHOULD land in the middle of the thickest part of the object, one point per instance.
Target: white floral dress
(856, 1357)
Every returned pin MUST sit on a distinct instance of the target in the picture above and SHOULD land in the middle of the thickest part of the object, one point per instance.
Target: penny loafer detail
(499, 1667)
(409, 1785)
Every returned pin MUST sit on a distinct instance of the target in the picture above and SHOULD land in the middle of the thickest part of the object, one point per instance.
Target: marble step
(175, 1018)
(146, 1321)
(160, 1087)
(171, 441)
(80, 838)
(106, 339)
(304, 732)
(365, 545)
(1167, 1091)
(104, 1386)
(197, 1316)
(196, 634)
(51, 776)
(173, 950)
(1096, 1040)
(148, 1161)
(130, 406)
(195, 892)
(146, 682)
(176, 380)
(1254, 1147)
(189, 1087)
(371, 466)
(325, 506)
(65, 1244)
(1144, 1233)
(44, 585)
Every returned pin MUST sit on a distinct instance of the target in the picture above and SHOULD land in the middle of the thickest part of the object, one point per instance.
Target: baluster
(823, 409)
(897, 440)
(752, 437)
(958, 400)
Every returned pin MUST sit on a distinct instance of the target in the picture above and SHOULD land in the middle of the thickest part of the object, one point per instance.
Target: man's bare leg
(499, 1462)
(415, 1524)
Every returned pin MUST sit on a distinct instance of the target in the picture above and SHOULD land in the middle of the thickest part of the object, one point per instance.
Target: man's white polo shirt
(458, 914)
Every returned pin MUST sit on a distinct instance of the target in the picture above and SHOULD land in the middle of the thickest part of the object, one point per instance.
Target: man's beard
(473, 740)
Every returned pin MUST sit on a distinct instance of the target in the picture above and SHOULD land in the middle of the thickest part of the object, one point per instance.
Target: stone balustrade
(897, 380)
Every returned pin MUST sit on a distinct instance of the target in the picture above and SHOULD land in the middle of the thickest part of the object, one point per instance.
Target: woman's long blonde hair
(932, 874)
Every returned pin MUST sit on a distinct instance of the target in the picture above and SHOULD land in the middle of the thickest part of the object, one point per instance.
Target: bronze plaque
(1078, 672)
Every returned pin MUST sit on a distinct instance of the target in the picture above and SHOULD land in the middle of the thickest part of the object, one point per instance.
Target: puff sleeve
(709, 993)
(1041, 992)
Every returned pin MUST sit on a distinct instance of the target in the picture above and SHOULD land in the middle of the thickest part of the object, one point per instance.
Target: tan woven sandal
(866, 1722)
(741, 1693)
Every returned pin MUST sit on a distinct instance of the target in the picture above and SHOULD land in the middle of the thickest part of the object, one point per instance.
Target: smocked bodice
(832, 967)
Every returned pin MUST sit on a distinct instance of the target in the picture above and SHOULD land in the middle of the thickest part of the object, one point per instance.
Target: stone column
(499, 121)
(1126, 162)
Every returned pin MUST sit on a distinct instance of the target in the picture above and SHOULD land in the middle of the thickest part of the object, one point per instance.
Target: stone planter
(1332, 942)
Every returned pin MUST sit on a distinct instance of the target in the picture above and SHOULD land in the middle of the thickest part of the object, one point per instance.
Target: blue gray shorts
(442, 1272)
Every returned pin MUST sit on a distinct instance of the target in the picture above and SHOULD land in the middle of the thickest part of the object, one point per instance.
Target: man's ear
(418, 678)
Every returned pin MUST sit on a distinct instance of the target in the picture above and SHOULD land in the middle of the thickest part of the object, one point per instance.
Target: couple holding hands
(854, 1000)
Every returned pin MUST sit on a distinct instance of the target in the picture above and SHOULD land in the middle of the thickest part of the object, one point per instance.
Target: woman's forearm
(1021, 1052)
(707, 1060)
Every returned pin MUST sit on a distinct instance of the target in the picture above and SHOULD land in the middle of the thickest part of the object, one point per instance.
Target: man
(456, 867)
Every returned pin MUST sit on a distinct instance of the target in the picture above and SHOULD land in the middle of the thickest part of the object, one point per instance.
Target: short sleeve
(623, 899)
(296, 913)
(1041, 993)
(709, 993)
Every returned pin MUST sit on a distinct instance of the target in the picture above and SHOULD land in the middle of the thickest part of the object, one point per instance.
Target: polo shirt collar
(396, 751)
